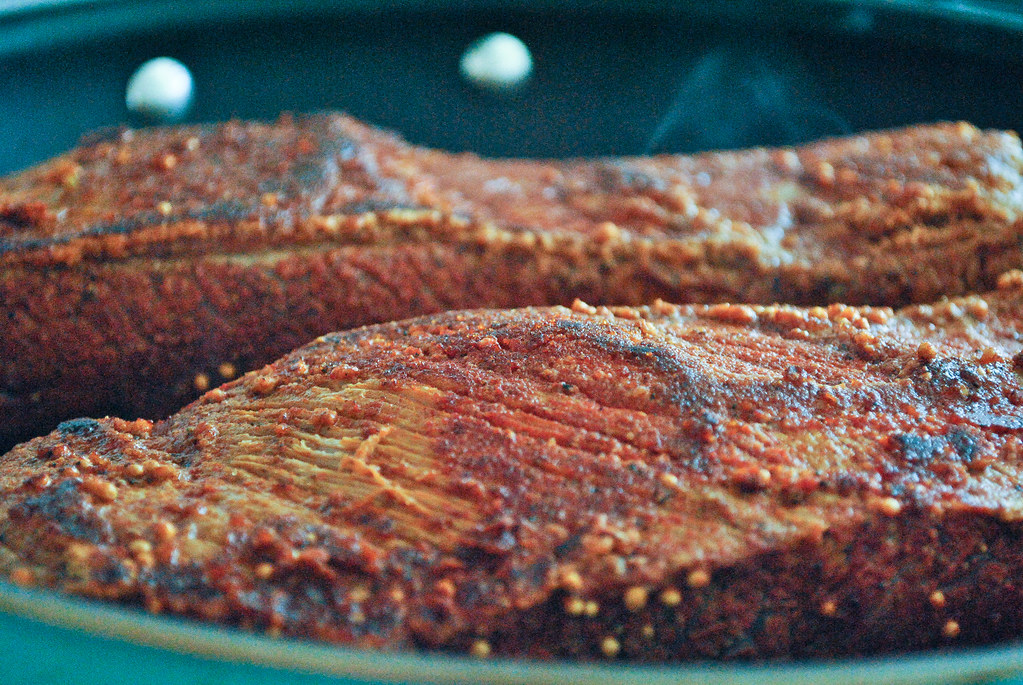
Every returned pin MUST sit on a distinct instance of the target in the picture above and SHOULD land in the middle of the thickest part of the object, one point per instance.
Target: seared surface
(655, 483)
(147, 266)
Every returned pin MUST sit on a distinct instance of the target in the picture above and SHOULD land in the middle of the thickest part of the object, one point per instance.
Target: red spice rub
(147, 266)
(653, 483)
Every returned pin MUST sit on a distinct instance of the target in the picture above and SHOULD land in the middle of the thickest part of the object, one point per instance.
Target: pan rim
(33, 25)
(210, 642)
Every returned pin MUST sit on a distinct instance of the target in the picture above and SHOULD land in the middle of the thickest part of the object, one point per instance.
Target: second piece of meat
(660, 483)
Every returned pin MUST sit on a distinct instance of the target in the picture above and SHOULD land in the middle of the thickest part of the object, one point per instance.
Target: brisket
(655, 483)
(147, 266)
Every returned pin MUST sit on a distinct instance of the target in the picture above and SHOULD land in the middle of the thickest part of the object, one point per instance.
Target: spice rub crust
(137, 268)
(655, 483)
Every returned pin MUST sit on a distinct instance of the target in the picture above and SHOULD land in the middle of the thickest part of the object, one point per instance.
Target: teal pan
(48, 638)
(610, 77)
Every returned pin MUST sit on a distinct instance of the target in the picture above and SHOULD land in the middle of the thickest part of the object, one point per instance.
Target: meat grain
(658, 483)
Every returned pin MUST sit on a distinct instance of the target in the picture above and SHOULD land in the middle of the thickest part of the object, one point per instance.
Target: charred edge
(17, 217)
(70, 510)
(995, 422)
(659, 356)
(217, 212)
(682, 379)
(922, 449)
(379, 205)
(950, 372)
(221, 212)
(81, 427)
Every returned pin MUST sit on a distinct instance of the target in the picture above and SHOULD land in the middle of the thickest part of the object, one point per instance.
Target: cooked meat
(147, 266)
(659, 483)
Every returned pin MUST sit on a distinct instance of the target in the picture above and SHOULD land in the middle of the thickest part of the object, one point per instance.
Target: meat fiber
(147, 266)
(657, 483)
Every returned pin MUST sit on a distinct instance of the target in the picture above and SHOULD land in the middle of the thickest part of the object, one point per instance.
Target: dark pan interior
(628, 79)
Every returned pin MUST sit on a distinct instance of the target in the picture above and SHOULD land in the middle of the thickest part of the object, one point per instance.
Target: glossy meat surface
(656, 483)
(147, 266)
